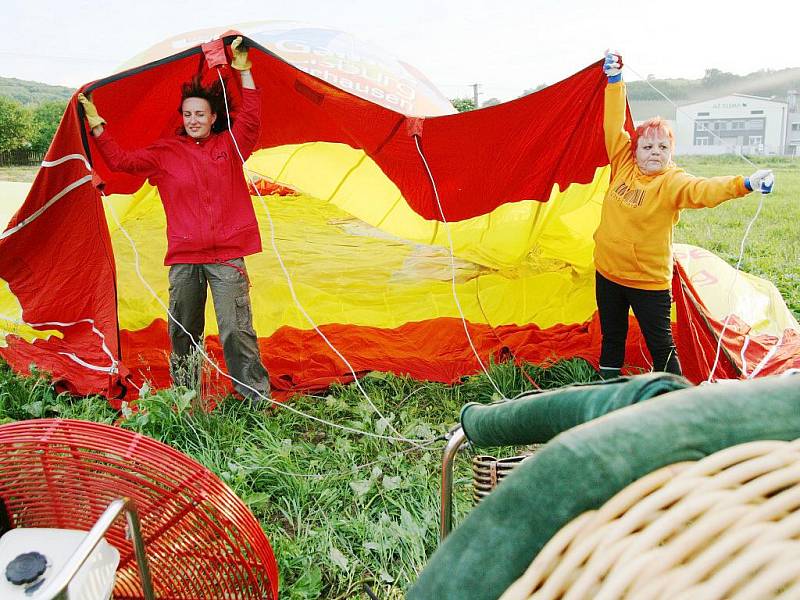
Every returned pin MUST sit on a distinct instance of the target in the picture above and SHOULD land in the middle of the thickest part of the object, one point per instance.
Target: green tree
(716, 78)
(16, 125)
(463, 104)
(46, 118)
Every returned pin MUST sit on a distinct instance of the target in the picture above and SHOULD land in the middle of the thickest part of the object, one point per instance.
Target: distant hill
(646, 102)
(29, 93)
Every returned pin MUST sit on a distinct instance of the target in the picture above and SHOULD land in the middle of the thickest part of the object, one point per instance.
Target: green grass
(18, 173)
(772, 249)
(339, 509)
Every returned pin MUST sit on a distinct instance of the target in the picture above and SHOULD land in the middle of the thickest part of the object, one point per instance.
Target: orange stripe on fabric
(432, 350)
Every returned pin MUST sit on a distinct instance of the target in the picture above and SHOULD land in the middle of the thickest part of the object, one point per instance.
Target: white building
(793, 126)
(735, 123)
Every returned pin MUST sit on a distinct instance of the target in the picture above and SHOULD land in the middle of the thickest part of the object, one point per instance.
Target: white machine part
(94, 580)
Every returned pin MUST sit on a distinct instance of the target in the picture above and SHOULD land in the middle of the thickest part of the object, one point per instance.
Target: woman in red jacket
(211, 224)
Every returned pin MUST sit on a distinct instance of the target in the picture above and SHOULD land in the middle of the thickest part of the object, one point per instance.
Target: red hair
(650, 128)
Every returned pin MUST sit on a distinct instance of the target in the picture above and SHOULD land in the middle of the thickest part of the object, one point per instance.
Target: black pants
(651, 308)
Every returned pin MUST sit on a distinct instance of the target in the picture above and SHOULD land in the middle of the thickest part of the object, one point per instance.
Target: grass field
(18, 173)
(341, 510)
(772, 247)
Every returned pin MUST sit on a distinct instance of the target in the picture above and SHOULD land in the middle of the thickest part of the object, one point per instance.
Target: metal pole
(58, 584)
(455, 439)
(141, 557)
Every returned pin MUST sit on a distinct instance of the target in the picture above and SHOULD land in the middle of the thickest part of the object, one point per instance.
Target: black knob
(26, 568)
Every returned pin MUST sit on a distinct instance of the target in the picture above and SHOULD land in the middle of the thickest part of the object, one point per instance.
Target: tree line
(29, 127)
(765, 83)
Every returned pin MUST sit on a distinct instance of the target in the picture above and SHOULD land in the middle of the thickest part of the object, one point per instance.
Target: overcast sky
(505, 45)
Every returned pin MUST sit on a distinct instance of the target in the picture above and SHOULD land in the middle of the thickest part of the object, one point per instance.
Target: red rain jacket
(210, 216)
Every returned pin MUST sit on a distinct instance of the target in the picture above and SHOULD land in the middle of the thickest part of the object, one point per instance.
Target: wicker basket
(488, 471)
(727, 526)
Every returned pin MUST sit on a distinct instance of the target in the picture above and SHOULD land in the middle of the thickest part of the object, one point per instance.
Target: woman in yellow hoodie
(633, 243)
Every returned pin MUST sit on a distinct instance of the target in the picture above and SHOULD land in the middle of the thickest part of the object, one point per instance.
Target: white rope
(217, 368)
(731, 290)
(747, 230)
(348, 472)
(113, 368)
(289, 279)
(453, 268)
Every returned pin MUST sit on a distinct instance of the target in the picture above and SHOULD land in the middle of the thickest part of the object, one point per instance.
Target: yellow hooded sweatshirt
(633, 243)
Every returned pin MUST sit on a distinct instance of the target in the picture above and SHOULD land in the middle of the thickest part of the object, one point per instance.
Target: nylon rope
(113, 368)
(453, 267)
(217, 368)
(343, 473)
(417, 444)
(744, 237)
(296, 300)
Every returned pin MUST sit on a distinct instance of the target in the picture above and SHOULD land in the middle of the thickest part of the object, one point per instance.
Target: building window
(737, 125)
(719, 125)
(755, 124)
(701, 140)
(754, 140)
(756, 112)
(795, 126)
(702, 114)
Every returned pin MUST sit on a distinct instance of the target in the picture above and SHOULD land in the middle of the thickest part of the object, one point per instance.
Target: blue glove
(760, 181)
(612, 67)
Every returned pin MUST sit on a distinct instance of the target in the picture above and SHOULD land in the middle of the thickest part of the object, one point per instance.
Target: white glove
(760, 181)
(612, 66)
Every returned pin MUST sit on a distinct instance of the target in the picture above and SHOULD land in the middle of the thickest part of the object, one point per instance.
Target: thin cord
(286, 271)
(744, 238)
(730, 290)
(216, 367)
(453, 266)
(353, 469)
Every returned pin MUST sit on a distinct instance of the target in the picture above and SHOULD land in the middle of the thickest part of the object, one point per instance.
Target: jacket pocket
(621, 259)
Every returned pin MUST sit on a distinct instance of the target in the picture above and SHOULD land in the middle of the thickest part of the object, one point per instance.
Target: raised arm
(616, 138)
(139, 162)
(247, 126)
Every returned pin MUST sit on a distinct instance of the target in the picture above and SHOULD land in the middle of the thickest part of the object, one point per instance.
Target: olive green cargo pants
(188, 290)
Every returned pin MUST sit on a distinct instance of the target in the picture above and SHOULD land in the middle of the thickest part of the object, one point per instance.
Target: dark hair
(214, 94)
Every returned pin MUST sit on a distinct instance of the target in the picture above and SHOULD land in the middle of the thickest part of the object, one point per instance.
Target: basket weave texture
(727, 526)
(201, 541)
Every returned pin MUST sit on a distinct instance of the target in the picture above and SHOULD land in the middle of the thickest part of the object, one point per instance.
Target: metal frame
(56, 588)
(456, 439)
